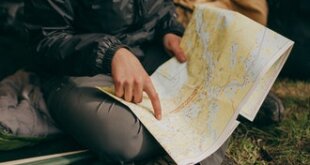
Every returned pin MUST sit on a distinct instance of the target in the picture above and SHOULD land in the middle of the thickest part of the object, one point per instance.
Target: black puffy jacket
(80, 37)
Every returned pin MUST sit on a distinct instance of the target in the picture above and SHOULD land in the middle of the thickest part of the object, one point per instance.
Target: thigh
(99, 122)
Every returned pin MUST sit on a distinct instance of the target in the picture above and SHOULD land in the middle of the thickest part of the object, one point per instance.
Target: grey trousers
(105, 126)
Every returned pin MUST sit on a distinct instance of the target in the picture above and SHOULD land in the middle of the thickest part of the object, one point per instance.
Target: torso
(114, 16)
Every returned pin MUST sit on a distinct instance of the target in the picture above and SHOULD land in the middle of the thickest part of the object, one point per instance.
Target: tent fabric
(24, 118)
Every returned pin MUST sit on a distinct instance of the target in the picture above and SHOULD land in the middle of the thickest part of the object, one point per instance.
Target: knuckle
(170, 45)
(128, 98)
(148, 80)
(178, 52)
(139, 100)
(136, 101)
(118, 82)
(137, 81)
(174, 45)
(154, 95)
(118, 93)
(128, 82)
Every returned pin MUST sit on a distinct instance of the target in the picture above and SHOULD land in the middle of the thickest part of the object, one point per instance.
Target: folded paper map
(232, 64)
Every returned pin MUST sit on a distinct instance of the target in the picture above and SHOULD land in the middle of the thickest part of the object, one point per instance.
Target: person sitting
(78, 45)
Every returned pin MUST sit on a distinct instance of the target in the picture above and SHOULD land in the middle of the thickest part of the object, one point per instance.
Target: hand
(130, 80)
(172, 45)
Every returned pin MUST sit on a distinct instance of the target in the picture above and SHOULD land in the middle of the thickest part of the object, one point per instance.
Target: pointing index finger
(151, 92)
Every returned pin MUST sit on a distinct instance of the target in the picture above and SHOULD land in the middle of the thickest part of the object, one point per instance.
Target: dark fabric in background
(13, 37)
(291, 18)
(288, 17)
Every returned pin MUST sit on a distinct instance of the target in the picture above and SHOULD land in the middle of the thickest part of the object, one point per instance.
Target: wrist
(109, 55)
(120, 51)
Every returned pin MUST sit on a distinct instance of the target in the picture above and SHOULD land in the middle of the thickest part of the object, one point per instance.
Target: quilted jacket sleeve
(58, 49)
(169, 23)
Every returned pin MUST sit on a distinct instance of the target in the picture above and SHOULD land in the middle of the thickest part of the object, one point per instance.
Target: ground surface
(287, 142)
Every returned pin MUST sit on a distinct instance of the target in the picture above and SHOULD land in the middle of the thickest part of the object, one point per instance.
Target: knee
(107, 127)
(122, 132)
(121, 145)
(118, 153)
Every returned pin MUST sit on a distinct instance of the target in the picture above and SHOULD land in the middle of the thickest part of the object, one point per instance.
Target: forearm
(68, 54)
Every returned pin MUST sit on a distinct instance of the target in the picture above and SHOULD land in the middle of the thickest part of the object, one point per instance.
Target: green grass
(287, 142)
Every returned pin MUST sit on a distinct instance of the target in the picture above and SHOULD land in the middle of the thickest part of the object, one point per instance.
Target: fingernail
(158, 117)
